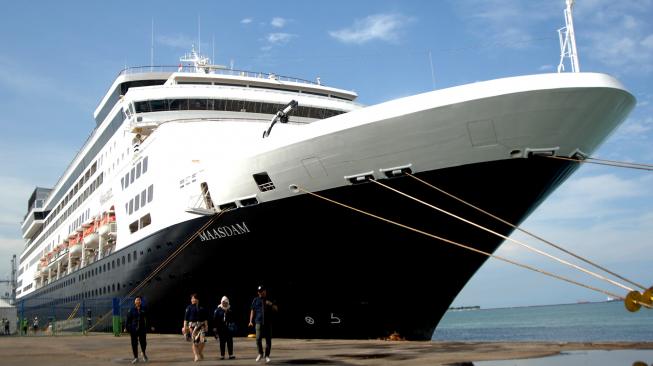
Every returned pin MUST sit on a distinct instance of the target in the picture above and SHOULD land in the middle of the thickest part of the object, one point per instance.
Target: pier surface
(103, 349)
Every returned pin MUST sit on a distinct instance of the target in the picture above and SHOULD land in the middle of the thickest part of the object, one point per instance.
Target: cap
(261, 288)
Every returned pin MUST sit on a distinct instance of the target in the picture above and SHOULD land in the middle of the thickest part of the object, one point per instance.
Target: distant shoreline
(476, 307)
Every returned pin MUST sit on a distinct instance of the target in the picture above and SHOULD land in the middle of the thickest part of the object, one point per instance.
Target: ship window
(133, 227)
(137, 203)
(138, 170)
(118, 287)
(132, 176)
(150, 193)
(146, 220)
(142, 107)
(198, 104)
(131, 207)
(144, 165)
(219, 105)
(158, 105)
(178, 104)
(126, 180)
(143, 198)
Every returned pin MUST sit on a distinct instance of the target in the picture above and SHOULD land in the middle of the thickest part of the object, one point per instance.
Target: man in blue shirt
(261, 314)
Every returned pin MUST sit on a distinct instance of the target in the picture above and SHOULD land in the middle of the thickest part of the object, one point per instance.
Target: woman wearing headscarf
(225, 327)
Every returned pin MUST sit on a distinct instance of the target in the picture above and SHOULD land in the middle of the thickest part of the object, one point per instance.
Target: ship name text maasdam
(224, 231)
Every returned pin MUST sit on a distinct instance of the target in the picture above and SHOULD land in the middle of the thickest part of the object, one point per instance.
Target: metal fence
(48, 316)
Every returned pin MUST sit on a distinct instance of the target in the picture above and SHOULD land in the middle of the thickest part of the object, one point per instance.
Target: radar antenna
(568, 41)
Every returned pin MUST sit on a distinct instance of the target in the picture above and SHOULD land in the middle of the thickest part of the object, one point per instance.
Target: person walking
(224, 327)
(261, 313)
(195, 326)
(137, 328)
(35, 324)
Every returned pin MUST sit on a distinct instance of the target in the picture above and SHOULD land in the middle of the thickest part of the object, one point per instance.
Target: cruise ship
(201, 179)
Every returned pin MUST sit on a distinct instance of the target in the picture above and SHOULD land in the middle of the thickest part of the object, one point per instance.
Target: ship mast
(568, 41)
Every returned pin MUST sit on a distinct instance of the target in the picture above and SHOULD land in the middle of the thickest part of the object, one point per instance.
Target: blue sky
(57, 60)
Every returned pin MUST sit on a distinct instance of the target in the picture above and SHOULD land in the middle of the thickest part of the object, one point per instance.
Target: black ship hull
(333, 272)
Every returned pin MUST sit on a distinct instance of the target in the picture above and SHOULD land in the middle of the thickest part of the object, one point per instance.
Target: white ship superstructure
(110, 176)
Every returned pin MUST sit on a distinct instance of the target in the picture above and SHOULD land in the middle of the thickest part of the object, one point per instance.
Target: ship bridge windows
(230, 105)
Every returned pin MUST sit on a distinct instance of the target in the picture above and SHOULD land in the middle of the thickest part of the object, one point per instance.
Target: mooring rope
(160, 267)
(535, 269)
(619, 164)
(526, 232)
(507, 238)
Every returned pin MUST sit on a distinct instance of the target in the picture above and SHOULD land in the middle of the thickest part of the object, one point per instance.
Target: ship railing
(214, 70)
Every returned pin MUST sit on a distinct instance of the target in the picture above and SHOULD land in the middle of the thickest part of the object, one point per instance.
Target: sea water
(588, 322)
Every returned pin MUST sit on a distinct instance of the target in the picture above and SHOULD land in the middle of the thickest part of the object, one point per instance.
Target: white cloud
(635, 128)
(279, 37)
(246, 20)
(547, 67)
(278, 22)
(647, 42)
(276, 39)
(384, 27)
(176, 41)
(593, 197)
(627, 43)
(510, 23)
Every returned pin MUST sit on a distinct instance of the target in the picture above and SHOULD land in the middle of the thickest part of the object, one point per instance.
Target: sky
(58, 58)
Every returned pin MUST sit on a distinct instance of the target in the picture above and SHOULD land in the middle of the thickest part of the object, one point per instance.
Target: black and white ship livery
(174, 148)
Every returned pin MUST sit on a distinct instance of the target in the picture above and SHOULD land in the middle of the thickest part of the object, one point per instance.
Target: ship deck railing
(215, 70)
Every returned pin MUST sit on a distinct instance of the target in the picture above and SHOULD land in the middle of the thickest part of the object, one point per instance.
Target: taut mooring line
(527, 232)
(619, 164)
(507, 238)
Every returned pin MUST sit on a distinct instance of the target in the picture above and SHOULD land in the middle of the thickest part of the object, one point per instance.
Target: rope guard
(647, 297)
(632, 301)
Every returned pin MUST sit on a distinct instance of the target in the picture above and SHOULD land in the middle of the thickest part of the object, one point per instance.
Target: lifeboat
(107, 225)
(43, 265)
(52, 259)
(90, 234)
(74, 246)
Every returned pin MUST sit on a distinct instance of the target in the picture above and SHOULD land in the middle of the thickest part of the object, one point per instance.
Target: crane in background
(11, 296)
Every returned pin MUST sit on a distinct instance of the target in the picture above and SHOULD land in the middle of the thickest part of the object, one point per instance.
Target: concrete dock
(103, 349)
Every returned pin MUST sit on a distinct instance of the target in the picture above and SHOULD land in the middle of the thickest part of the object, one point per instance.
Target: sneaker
(135, 360)
(258, 358)
(144, 357)
(222, 357)
(267, 360)
(232, 357)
